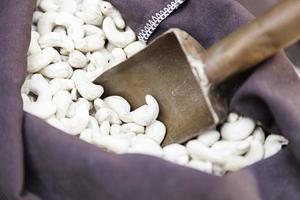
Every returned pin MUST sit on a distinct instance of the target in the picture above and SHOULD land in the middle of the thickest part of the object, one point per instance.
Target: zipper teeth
(157, 18)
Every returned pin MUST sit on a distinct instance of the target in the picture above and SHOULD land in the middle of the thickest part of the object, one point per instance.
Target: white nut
(118, 104)
(93, 30)
(209, 138)
(69, 6)
(90, 43)
(134, 48)
(77, 59)
(176, 153)
(132, 127)
(38, 61)
(115, 129)
(232, 117)
(259, 135)
(62, 100)
(86, 89)
(116, 37)
(80, 120)
(73, 25)
(112, 143)
(273, 144)
(55, 39)
(46, 23)
(199, 151)
(53, 121)
(107, 114)
(256, 151)
(234, 163)
(61, 84)
(145, 145)
(146, 114)
(34, 46)
(87, 135)
(157, 131)
(204, 166)
(91, 13)
(49, 5)
(109, 10)
(99, 103)
(58, 70)
(118, 56)
(238, 130)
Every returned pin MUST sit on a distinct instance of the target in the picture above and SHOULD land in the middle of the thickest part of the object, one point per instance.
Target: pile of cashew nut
(75, 41)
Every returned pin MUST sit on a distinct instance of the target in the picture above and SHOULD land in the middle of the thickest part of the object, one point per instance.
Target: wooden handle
(253, 43)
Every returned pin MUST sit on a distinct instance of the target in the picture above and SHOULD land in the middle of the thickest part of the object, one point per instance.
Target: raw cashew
(61, 84)
(145, 145)
(209, 138)
(107, 114)
(118, 56)
(55, 39)
(256, 151)
(115, 129)
(87, 136)
(204, 166)
(132, 127)
(118, 104)
(273, 144)
(77, 59)
(90, 43)
(43, 107)
(73, 25)
(238, 130)
(53, 121)
(46, 23)
(99, 103)
(116, 37)
(93, 30)
(112, 143)
(105, 128)
(34, 46)
(176, 153)
(62, 100)
(109, 10)
(49, 5)
(68, 6)
(40, 60)
(86, 89)
(199, 151)
(134, 48)
(91, 12)
(58, 70)
(146, 114)
(157, 131)
(232, 147)
(259, 135)
(80, 120)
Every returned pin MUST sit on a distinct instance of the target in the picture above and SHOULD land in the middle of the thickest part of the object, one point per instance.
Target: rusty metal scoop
(180, 74)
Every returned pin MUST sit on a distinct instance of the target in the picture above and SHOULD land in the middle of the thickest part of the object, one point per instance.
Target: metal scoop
(181, 75)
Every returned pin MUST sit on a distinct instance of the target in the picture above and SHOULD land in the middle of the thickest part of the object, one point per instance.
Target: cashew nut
(61, 84)
(176, 153)
(73, 25)
(55, 39)
(209, 138)
(90, 43)
(58, 70)
(118, 104)
(118, 56)
(156, 131)
(77, 59)
(204, 166)
(134, 48)
(273, 144)
(145, 145)
(62, 100)
(34, 46)
(46, 23)
(109, 10)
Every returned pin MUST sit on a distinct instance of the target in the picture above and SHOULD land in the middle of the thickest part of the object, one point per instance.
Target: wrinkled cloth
(38, 161)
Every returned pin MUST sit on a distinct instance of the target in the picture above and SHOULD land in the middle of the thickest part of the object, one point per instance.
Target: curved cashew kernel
(109, 10)
(273, 144)
(98, 60)
(209, 138)
(204, 166)
(62, 100)
(46, 23)
(55, 39)
(87, 136)
(53, 121)
(34, 46)
(256, 151)
(146, 114)
(58, 70)
(49, 5)
(132, 127)
(234, 163)
(232, 117)
(128, 136)
(145, 145)
(80, 120)
(40, 60)
(134, 48)
(118, 56)
(90, 43)
(99, 103)
(43, 107)
(90, 12)
(112, 143)
(36, 16)
(73, 25)
(259, 135)
(116, 37)
(115, 129)
(199, 151)
(77, 59)
(107, 114)
(68, 6)
(157, 131)
(93, 30)
(232, 147)
(238, 130)
(109, 47)
(118, 104)
(61, 84)
(86, 89)
(176, 153)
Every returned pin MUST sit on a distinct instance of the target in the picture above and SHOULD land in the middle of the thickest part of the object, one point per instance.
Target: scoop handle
(253, 43)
